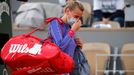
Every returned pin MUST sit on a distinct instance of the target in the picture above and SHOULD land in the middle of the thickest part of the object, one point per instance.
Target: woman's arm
(56, 33)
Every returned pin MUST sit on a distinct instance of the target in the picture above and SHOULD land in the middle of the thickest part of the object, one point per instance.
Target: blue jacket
(60, 36)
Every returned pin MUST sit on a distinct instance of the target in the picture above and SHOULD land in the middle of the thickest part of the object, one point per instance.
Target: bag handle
(48, 20)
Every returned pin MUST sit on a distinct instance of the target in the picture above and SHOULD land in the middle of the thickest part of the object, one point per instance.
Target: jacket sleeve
(120, 4)
(56, 33)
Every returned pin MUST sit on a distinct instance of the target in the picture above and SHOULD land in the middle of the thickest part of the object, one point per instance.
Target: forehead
(77, 12)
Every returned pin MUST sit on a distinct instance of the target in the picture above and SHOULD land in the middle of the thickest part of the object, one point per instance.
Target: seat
(87, 13)
(52, 9)
(91, 50)
(128, 58)
(112, 23)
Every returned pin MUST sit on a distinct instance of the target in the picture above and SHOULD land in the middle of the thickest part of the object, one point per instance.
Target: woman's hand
(79, 42)
(76, 25)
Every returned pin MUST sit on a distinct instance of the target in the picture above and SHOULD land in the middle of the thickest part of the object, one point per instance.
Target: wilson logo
(36, 49)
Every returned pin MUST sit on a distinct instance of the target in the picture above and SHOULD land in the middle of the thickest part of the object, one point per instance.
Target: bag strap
(48, 20)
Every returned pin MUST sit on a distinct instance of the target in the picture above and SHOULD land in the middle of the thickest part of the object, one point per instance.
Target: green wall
(5, 26)
(5, 17)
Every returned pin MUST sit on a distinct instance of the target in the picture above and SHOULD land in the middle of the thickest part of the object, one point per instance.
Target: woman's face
(76, 14)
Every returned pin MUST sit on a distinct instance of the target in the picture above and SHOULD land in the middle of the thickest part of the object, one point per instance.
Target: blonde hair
(73, 5)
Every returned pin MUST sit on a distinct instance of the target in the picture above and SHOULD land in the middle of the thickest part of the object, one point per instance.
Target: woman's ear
(66, 11)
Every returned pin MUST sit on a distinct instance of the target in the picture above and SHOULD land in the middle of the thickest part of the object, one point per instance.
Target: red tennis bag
(29, 55)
